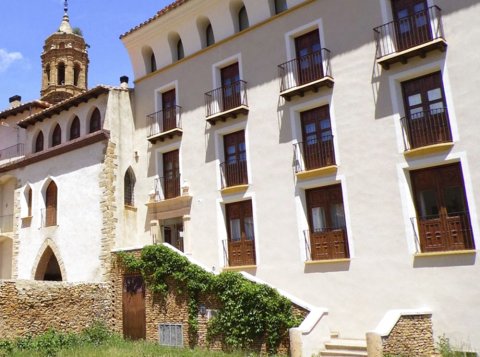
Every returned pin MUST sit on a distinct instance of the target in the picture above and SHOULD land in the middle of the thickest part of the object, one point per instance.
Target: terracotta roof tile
(23, 107)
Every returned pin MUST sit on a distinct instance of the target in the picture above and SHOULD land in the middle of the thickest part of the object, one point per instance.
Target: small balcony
(306, 73)
(169, 199)
(6, 224)
(12, 152)
(240, 253)
(164, 124)
(49, 217)
(226, 102)
(314, 157)
(426, 129)
(326, 244)
(443, 232)
(411, 36)
(234, 174)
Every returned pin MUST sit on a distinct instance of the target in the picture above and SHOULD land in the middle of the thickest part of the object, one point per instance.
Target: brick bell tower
(64, 63)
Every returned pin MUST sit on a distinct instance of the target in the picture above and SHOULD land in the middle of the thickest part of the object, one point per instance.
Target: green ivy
(249, 312)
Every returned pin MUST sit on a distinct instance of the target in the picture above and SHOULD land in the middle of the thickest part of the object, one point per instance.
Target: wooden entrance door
(51, 205)
(442, 210)
(134, 326)
(326, 219)
(230, 77)
(241, 239)
(171, 175)
(317, 138)
(169, 110)
(412, 23)
(426, 113)
(309, 57)
(235, 159)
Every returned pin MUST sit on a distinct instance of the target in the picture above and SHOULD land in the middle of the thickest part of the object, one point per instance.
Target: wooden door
(412, 23)
(426, 111)
(241, 239)
(317, 138)
(235, 170)
(169, 110)
(171, 174)
(51, 205)
(309, 57)
(134, 326)
(442, 211)
(230, 77)
(326, 219)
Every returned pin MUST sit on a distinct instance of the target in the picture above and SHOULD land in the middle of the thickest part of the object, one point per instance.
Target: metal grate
(171, 335)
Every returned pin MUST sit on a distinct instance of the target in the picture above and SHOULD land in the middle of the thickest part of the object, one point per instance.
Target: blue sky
(25, 24)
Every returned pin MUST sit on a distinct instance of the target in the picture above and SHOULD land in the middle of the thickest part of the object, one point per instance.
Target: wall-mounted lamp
(202, 310)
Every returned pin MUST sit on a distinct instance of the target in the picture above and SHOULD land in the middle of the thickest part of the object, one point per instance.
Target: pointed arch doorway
(48, 267)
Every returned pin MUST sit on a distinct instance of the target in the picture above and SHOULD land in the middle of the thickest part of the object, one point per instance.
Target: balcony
(443, 232)
(234, 175)
(240, 253)
(307, 73)
(49, 217)
(426, 130)
(408, 37)
(164, 124)
(6, 224)
(326, 244)
(10, 153)
(314, 158)
(169, 199)
(226, 102)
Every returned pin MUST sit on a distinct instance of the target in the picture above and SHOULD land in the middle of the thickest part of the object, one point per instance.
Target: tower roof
(65, 25)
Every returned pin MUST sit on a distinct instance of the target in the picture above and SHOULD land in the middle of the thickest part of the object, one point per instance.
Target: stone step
(343, 353)
(340, 347)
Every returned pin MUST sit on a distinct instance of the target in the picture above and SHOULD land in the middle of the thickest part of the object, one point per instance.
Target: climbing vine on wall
(249, 312)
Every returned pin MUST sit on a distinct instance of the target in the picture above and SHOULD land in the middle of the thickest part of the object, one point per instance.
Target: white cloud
(7, 58)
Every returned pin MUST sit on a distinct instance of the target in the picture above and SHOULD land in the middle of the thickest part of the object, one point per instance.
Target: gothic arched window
(129, 187)
(39, 142)
(180, 52)
(61, 74)
(57, 136)
(209, 35)
(95, 121)
(243, 19)
(51, 205)
(75, 129)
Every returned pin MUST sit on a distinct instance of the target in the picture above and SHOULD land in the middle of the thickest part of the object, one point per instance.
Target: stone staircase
(341, 347)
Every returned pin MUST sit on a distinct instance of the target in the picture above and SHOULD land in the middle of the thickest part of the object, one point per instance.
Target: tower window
(61, 74)
(47, 71)
(76, 74)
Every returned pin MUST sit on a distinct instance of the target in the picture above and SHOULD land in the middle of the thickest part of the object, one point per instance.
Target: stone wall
(412, 336)
(32, 307)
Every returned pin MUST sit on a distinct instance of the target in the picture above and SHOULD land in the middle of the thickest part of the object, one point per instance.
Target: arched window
(180, 52)
(39, 142)
(57, 136)
(153, 63)
(210, 38)
(51, 205)
(76, 74)
(75, 129)
(280, 6)
(95, 121)
(243, 19)
(129, 187)
(61, 73)
(47, 71)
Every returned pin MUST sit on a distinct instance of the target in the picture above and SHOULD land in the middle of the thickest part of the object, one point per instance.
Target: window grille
(170, 335)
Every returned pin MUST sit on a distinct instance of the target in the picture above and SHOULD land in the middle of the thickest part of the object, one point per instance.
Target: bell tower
(64, 63)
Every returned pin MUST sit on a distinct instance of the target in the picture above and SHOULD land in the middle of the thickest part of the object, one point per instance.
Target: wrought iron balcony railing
(306, 69)
(314, 154)
(326, 243)
(167, 187)
(49, 217)
(6, 224)
(226, 98)
(443, 232)
(426, 128)
(239, 253)
(164, 121)
(408, 32)
(12, 152)
(233, 173)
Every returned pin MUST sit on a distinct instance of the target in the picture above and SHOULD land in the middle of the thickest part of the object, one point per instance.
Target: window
(443, 220)
(153, 63)
(242, 19)
(50, 217)
(171, 335)
(28, 201)
(426, 118)
(309, 57)
(317, 146)
(171, 174)
(61, 74)
(326, 222)
(75, 129)
(57, 136)
(210, 38)
(95, 121)
(76, 74)
(234, 169)
(280, 6)
(39, 142)
(47, 70)
(231, 89)
(169, 110)
(412, 22)
(180, 52)
(129, 188)
(240, 230)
